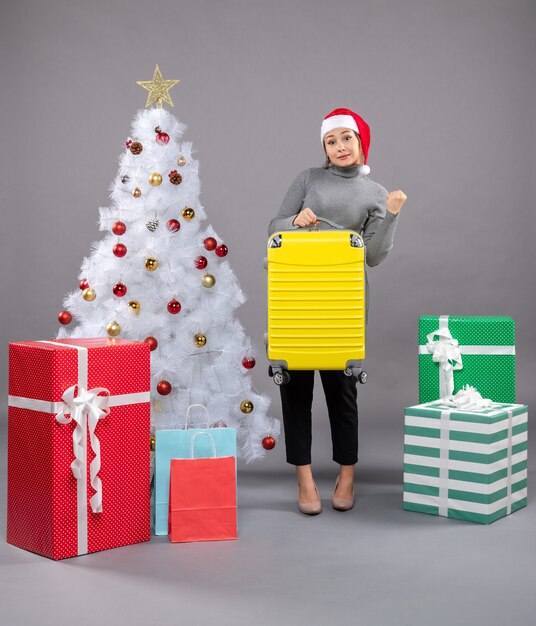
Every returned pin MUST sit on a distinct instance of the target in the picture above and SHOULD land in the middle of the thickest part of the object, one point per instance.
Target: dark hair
(327, 162)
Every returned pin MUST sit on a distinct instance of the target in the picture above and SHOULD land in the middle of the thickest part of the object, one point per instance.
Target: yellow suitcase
(316, 302)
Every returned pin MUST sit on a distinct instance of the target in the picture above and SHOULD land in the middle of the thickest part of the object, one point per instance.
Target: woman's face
(343, 147)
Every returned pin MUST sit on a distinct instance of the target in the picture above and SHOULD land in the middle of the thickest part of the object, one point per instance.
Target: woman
(341, 192)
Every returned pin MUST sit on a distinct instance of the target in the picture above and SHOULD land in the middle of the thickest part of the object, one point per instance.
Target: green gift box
(455, 351)
(468, 465)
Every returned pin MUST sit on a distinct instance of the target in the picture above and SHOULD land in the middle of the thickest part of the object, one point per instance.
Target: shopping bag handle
(199, 434)
(188, 414)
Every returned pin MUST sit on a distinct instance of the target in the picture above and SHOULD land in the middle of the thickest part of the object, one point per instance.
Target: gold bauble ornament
(188, 214)
(151, 264)
(153, 443)
(89, 294)
(200, 340)
(208, 281)
(137, 192)
(113, 329)
(155, 179)
(135, 306)
(181, 161)
(246, 406)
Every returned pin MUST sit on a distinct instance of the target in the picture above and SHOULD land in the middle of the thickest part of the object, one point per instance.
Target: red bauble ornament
(248, 362)
(163, 388)
(174, 307)
(222, 250)
(64, 317)
(210, 243)
(268, 443)
(201, 262)
(83, 284)
(153, 343)
(173, 225)
(162, 138)
(119, 249)
(119, 228)
(119, 290)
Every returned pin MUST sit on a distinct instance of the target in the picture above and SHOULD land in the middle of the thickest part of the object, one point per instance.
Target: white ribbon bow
(446, 352)
(469, 399)
(86, 403)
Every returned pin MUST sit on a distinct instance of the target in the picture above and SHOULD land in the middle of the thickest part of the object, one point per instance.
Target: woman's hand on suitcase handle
(305, 218)
(395, 201)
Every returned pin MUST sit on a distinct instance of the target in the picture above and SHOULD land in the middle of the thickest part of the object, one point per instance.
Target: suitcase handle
(323, 219)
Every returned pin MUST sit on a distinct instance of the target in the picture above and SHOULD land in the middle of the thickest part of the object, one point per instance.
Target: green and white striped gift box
(468, 465)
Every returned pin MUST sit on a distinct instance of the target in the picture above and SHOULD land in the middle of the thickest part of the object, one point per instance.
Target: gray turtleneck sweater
(346, 197)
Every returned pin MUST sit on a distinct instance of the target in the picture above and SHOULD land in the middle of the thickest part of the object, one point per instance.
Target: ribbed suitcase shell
(316, 300)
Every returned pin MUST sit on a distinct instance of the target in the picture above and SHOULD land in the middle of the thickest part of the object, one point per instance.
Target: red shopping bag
(202, 497)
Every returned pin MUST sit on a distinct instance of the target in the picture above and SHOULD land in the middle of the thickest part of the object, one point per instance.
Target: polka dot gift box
(78, 445)
(455, 351)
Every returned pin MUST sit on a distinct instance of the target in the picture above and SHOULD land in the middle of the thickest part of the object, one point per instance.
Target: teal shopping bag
(175, 444)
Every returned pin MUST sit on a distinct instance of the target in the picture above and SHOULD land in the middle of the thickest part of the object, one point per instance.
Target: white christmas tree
(159, 275)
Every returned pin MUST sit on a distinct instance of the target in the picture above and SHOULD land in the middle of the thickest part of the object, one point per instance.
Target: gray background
(449, 92)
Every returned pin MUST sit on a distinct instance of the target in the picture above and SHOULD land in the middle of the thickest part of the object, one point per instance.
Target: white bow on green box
(455, 351)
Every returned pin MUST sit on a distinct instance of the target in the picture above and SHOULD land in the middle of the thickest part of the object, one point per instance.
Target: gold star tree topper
(158, 89)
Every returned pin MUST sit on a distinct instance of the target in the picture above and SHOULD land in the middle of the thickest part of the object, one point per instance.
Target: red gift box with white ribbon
(78, 445)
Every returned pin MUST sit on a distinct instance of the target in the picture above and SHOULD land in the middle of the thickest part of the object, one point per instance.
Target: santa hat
(345, 118)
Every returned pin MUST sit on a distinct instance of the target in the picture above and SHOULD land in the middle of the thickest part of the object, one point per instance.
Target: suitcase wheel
(359, 375)
(281, 377)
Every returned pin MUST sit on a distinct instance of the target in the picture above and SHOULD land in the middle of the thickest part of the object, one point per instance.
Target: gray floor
(374, 565)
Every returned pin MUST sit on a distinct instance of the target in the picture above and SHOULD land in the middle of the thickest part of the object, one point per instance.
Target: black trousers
(341, 399)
